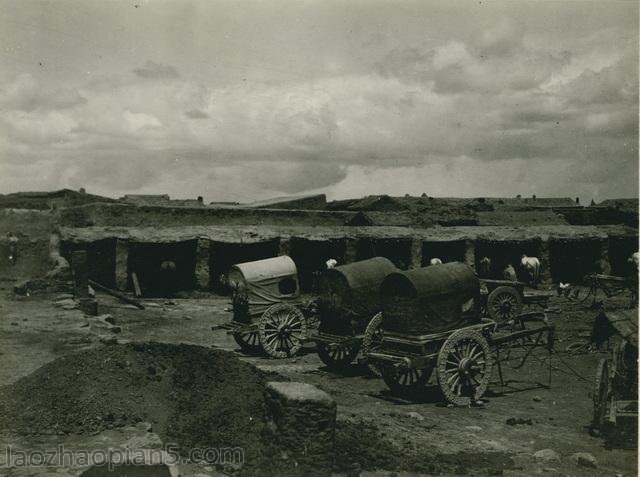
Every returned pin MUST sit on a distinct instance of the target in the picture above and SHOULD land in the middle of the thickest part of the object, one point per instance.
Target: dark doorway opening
(163, 268)
(502, 253)
(396, 250)
(571, 260)
(101, 259)
(311, 256)
(223, 255)
(620, 250)
(452, 251)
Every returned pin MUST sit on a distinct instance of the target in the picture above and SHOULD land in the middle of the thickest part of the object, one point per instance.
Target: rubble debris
(546, 455)
(512, 421)
(584, 459)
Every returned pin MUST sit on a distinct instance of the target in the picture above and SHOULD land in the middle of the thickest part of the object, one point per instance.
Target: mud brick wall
(110, 215)
(302, 419)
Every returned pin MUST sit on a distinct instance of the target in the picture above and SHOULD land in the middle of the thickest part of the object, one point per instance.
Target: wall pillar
(202, 264)
(544, 256)
(604, 263)
(284, 246)
(80, 273)
(122, 260)
(470, 253)
(416, 253)
(351, 250)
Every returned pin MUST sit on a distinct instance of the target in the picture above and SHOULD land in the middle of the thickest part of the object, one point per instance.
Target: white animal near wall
(532, 266)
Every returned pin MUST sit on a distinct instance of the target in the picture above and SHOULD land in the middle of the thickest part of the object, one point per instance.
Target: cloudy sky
(239, 100)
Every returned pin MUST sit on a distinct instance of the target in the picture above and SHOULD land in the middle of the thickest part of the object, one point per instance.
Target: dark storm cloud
(153, 70)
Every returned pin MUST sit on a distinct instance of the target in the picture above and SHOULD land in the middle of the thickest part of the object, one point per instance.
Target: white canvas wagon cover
(265, 282)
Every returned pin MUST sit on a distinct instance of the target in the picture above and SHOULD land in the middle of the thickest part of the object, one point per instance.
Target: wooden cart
(615, 394)
(348, 308)
(268, 312)
(432, 321)
(503, 300)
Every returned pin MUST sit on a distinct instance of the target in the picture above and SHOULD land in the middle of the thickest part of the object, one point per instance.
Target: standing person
(13, 248)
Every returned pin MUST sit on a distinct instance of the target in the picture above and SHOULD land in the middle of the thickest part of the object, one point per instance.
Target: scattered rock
(65, 301)
(108, 318)
(552, 472)
(473, 428)
(512, 421)
(144, 426)
(584, 459)
(546, 455)
(537, 398)
(415, 415)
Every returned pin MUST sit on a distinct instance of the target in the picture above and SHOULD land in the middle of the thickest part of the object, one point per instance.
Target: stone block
(302, 419)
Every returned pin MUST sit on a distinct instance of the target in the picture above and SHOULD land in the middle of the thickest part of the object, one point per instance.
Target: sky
(246, 100)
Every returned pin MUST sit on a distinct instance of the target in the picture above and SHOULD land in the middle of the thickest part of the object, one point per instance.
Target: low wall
(113, 215)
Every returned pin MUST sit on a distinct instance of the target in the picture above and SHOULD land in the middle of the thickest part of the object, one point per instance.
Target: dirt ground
(376, 429)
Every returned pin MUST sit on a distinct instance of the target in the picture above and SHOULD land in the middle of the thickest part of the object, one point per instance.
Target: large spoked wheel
(249, 341)
(464, 367)
(504, 304)
(337, 355)
(281, 329)
(372, 341)
(600, 395)
(405, 382)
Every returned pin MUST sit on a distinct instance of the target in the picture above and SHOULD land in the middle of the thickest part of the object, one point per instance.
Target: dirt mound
(361, 445)
(193, 396)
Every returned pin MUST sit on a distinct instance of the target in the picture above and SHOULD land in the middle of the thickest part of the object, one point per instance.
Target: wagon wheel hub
(465, 366)
(506, 305)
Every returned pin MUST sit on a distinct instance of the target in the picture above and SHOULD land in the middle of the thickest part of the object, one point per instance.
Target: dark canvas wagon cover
(260, 284)
(353, 290)
(623, 323)
(430, 299)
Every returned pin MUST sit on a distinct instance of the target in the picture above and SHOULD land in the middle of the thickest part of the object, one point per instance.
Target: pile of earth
(196, 398)
(193, 396)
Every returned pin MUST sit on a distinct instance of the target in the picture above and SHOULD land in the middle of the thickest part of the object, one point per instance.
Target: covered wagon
(432, 321)
(348, 308)
(615, 394)
(267, 307)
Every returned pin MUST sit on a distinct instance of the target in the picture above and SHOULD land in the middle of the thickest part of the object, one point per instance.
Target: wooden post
(136, 284)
